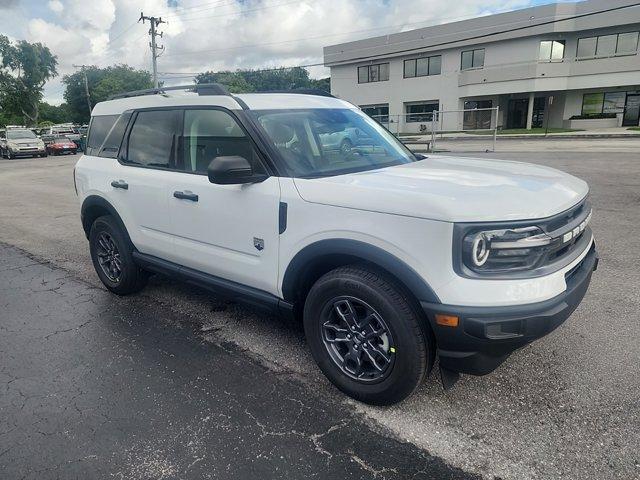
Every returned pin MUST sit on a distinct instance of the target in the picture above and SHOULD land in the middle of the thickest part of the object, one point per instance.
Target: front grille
(570, 232)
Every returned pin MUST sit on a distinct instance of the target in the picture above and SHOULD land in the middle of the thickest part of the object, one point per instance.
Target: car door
(230, 231)
(141, 181)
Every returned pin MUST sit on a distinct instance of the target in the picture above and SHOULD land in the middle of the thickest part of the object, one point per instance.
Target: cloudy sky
(219, 34)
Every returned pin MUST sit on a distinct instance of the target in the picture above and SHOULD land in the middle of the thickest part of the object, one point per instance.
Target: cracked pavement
(565, 407)
(96, 386)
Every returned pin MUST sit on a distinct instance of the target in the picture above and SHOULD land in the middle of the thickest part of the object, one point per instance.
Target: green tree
(54, 113)
(103, 82)
(242, 81)
(24, 69)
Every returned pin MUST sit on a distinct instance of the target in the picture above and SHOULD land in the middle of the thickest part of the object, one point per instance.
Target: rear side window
(213, 133)
(111, 145)
(98, 130)
(152, 139)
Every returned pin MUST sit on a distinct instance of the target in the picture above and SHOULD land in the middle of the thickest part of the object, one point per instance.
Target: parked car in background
(67, 131)
(20, 142)
(61, 146)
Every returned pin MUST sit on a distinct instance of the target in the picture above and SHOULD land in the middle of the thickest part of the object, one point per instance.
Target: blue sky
(219, 34)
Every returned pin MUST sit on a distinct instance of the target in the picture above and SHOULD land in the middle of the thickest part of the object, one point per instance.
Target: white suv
(389, 258)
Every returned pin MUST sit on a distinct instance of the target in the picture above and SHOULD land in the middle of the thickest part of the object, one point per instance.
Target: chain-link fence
(466, 130)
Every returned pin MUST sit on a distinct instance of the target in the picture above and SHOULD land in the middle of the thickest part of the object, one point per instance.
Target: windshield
(323, 142)
(20, 134)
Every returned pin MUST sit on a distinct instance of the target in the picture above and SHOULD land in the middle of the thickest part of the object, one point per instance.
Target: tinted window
(213, 133)
(587, 47)
(327, 141)
(98, 130)
(421, 112)
(113, 141)
(467, 60)
(152, 139)
(422, 67)
(627, 43)
(20, 134)
(409, 68)
(606, 45)
(592, 103)
(435, 65)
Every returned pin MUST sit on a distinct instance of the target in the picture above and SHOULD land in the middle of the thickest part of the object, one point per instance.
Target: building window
(551, 51)
(422, 67)
(603, 103)
(421, 112)
(472, 59)
(377, 112)
(477, 115)
(373, 73)
(607, 45)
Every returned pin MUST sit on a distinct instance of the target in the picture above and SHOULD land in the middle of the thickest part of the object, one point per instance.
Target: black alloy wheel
(367, 335)
(109, 257)
(357, 339)
(112, 256)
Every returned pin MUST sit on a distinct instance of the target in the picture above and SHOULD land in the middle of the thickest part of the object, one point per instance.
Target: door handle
(120, 184)
(186, 195)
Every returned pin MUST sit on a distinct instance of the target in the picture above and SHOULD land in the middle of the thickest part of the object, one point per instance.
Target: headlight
(505, 249)
(13, 145)
(494, 249)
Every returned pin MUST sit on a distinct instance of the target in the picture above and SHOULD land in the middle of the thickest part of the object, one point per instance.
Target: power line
(475, 37)
(492, 34)
(156, 50)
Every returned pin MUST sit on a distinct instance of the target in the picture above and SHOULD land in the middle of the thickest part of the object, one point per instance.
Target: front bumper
(27, 152)
(486, 336)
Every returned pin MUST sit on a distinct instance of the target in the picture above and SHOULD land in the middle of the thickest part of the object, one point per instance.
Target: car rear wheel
(366, 336)
(111, 253)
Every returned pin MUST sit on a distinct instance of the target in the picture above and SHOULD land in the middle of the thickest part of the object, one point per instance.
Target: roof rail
(199, 88)
(302, 91)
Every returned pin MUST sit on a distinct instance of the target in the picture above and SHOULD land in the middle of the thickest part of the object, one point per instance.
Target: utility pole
(156, 50)
(86, 85)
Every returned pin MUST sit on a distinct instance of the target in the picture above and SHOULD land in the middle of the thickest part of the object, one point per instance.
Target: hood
(25, 141)
(452, 189)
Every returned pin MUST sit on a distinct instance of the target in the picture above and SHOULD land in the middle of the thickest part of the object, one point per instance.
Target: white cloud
(55, 6)
(228, 34)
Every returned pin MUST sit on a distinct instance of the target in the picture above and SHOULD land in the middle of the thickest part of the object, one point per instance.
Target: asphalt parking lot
(565, 407)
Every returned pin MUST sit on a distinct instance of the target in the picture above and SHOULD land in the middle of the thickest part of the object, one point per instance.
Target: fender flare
(96, 202)
(358, 250)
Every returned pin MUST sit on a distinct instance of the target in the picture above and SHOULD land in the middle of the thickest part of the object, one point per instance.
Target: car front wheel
(366, 335)
(111, 254)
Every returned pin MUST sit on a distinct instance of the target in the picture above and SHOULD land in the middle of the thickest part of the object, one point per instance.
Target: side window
(112, 143)
(152, 140)
(98, 130)
(208, 134)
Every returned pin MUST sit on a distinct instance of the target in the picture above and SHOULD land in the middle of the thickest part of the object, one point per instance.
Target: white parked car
(389, 258)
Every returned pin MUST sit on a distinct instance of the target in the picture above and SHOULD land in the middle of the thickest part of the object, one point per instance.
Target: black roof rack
(199, 88)
(302, 91)
(212, 89)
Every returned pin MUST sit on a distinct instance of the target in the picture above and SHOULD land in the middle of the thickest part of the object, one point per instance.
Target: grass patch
(636, 129)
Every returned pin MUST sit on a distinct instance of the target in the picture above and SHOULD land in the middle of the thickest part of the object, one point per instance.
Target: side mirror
(233, 170)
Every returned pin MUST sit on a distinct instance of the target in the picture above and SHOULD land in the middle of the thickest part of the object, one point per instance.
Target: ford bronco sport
(390, 259)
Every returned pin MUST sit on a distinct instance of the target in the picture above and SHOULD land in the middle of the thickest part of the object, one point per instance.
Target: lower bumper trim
(486, 336)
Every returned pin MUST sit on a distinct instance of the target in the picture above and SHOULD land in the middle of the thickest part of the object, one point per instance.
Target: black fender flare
(358, 250)
(96, 203)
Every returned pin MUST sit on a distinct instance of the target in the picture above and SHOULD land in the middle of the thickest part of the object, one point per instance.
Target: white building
(555, 64)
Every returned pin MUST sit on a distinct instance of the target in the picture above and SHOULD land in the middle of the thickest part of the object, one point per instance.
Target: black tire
(408, 345)
(129, 277)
